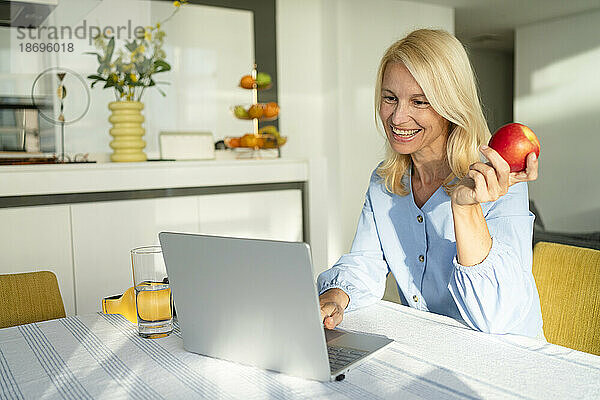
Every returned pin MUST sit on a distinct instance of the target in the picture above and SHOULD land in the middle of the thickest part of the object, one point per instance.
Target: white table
(433, 357)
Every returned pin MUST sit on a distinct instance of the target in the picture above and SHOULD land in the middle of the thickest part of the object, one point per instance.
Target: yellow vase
(127, 130)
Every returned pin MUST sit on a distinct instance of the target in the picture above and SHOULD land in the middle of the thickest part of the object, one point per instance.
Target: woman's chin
(404, 146)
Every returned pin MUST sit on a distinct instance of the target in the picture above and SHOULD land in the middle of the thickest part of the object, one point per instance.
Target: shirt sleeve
(362, 272)
(497, 295)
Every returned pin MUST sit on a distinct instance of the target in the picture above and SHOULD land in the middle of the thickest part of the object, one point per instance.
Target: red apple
(514, 142)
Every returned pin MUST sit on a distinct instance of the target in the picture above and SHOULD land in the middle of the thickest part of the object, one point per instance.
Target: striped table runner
(102, 357)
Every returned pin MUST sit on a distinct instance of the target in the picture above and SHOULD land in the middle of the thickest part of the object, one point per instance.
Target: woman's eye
(389, 99)
(420, 103)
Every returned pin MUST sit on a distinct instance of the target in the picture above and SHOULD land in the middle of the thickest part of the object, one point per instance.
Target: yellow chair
(568, 281)
(391, 289)
(29, 297)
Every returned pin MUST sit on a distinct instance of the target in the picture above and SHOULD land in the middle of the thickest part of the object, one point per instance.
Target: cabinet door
(38, 239)
(273, 214)
(105, 232)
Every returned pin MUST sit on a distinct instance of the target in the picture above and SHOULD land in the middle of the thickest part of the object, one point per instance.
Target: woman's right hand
(333, 303)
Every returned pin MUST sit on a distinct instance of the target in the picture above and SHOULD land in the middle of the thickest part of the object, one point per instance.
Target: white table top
(433, 357)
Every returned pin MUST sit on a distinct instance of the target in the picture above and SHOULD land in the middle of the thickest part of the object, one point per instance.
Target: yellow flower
(133, 77)
(148, 35)
(158, 25)
(141, 49)
(176, 3)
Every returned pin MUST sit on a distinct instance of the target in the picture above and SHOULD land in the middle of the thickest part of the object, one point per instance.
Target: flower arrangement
(133, 68)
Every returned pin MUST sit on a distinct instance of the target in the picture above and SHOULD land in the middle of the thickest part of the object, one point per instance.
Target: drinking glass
(153, 299)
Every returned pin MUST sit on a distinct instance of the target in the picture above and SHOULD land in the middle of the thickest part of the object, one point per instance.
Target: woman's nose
(400, 114)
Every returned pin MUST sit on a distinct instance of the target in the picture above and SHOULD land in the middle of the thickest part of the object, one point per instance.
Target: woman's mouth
(404, 134)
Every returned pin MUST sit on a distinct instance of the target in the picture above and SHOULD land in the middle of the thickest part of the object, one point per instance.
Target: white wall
(328, 52)
(557, 94)
(209, 49)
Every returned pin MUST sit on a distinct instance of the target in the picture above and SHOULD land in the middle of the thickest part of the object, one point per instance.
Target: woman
(455, 232)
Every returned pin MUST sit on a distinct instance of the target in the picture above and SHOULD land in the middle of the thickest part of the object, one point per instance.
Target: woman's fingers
(500, 166)
(493, 190)
(480, 186)
(331, 314)
(530, 173)
(490, 181)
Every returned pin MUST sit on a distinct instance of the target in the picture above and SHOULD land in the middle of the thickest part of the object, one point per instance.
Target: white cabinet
(86, 240)
(39, 238)
(87, 244)
(273, 214)
(105, 232)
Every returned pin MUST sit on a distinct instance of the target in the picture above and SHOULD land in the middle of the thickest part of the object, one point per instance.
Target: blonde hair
(440, 65)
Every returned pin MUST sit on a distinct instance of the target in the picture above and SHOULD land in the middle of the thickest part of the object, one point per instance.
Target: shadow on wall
(552, 48)
(558, 96)
(568, 187)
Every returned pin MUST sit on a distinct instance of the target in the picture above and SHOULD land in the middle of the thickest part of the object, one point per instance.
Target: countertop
(26, 180)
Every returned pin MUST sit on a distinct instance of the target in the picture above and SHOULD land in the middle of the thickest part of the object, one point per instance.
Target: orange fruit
(233, 142)
(271, 110)
(247, 82)
(256, 111)
(249, 140)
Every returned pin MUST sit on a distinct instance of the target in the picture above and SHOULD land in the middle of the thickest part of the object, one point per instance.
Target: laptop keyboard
(339, 357)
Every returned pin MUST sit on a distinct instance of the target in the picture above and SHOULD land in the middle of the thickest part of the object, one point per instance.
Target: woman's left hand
(490, 181)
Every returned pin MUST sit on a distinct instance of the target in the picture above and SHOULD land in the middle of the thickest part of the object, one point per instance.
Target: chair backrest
(29, 297)
(391, 289)
(568, 281)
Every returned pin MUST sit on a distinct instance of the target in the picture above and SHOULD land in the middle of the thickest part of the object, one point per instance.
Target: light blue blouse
(418, 246)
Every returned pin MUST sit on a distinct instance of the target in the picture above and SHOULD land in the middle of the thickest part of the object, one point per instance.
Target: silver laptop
(255, 302)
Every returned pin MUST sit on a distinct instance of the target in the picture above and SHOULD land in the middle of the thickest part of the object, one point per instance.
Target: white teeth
(405, 132)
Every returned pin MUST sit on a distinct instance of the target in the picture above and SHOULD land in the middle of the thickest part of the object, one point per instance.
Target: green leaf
(102, 68)
(144, 66)
(131, 46)
(161, 66)
(110, 49)
(94, 83)
(109, 83)
(98, 77)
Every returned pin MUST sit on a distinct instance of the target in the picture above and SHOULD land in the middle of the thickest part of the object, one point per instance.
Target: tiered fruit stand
(251, 145)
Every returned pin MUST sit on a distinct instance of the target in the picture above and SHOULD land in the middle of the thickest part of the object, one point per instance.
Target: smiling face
(412, 126)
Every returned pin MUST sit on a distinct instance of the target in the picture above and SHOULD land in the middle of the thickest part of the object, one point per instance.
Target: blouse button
(421, 258)
(415, 298)
(419, 218)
